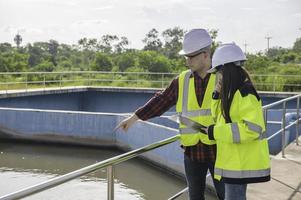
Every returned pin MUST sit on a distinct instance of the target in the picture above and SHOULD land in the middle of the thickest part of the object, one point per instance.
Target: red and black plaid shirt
(164, 100)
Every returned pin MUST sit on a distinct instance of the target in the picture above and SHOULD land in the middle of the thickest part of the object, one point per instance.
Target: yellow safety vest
(242, 148)
(188, 106)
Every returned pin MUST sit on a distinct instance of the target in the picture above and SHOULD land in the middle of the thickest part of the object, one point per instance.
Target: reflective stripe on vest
(235, 133)
(243, 173)
(195, 113)
(185, 92)
(251, 126)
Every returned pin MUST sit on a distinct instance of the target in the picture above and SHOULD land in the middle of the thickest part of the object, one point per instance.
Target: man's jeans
(196, 179)
(236, 191)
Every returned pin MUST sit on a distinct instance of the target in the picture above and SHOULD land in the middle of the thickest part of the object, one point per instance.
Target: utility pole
(268, 39)
(18, 40)
(246, 44)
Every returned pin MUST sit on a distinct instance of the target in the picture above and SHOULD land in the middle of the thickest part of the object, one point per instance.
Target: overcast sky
(69, 20)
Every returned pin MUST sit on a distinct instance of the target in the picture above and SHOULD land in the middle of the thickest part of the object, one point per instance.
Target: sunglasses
(192, 56)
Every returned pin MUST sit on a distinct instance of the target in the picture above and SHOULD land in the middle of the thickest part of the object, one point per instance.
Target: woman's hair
(233, 78)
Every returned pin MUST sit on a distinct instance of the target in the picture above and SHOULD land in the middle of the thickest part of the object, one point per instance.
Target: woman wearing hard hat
(239, 129)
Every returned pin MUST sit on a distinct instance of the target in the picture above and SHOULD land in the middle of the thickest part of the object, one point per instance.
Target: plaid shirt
(163, 101)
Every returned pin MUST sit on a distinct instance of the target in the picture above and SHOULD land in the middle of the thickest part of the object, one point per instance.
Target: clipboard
(192, 124)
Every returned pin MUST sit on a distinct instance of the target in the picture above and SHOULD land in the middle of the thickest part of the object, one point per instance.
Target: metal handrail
(72, 175)
(163, 78)
(281, 101)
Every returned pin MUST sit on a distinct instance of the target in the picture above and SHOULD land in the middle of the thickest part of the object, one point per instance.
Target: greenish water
(23, 165)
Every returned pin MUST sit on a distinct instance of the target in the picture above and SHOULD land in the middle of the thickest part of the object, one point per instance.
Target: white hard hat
(194, 41)
(227, 53)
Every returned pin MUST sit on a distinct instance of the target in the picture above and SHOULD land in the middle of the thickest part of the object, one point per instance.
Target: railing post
(110, 176)
(297, 124)
(274, 80)
(26, 82)
(283, 129)
(61, 77)
(44, 83)
(89, 78)
(162, 81)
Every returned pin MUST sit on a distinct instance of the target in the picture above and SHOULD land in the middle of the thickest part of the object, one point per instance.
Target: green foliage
(6, 47)
(297, 46)
(111, 53)
(152, 41)
(37, 53)
(53, 48)
(45, 66)
(106, 43)
(65, 65)
(102, 62)
(126, 60)
(213, 33)
(257, 63)
(4, 64)
(173, 42)
(153, 62)
(289, 57)
(13, 61)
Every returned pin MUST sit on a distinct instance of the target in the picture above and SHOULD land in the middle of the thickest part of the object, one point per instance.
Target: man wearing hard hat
(191, 93)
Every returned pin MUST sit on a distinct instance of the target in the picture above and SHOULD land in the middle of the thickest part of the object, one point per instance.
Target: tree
(257, 63)
(297, 45)
(6, 47)
(121, 45)
(102, 62)
(151, 41)
(126, 60)
(53, 46)
(83, 43)
(37, 53)
(44, 66)
(106, 43)
(92, 44)
(289, 57)
(275, 53)
(173, 41)
(4, 64)
(18, 40)
(19, 62)
(213, 34)
(152, 61)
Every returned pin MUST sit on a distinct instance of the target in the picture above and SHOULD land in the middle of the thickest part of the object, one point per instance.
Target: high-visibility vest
(242, 147)
(188, 106)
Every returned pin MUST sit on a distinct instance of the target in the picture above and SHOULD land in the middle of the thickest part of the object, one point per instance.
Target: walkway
(285, 183)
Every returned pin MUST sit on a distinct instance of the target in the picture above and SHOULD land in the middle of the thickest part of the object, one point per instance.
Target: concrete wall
(113, 100)
(91, 129)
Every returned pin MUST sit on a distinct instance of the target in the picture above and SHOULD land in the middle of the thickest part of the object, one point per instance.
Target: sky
(239, 21)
